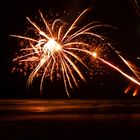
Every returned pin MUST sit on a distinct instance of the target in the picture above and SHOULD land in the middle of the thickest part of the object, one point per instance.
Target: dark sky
(126, 38)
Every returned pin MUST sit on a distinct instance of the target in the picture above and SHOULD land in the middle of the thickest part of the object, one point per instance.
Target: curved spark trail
(132, 68)
(94, 54)
(120, 71)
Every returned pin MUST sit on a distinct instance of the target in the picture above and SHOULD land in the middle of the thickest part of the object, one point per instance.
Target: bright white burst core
(51, 46)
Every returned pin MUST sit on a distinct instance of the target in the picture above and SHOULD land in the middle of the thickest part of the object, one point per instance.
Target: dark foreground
(69, 119)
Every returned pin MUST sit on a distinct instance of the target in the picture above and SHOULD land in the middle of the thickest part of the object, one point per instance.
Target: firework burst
(57, 50)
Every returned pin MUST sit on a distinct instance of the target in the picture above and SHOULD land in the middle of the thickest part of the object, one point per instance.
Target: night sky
(125, 38)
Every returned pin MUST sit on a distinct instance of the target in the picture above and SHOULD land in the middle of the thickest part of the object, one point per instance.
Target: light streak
(118, 69)
(132, 68)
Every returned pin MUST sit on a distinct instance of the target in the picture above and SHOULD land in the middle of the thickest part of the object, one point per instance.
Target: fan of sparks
(59, 48)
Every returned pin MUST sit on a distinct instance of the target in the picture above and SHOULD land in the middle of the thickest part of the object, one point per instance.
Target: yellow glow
(136, 92)
(94, 54)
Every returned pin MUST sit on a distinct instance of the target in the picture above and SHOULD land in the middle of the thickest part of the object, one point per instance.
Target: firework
(57, 49)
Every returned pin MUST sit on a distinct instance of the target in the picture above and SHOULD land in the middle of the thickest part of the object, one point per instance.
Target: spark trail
(132, 79)
(120, 71)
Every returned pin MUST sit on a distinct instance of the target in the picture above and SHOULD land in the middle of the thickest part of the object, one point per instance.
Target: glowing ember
(94, 54)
